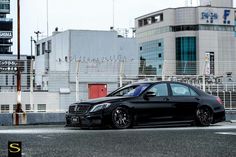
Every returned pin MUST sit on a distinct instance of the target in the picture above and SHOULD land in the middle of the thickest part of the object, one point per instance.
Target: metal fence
(69, 81)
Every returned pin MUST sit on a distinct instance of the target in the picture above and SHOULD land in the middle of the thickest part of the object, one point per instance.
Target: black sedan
(149, 103)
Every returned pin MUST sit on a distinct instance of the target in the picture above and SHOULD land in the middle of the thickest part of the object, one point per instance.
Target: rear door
(185, 101)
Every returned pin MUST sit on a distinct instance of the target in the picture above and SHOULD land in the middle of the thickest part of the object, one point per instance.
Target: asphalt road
(57, 141)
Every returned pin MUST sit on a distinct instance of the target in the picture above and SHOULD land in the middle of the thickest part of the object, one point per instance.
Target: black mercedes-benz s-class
(148, 103)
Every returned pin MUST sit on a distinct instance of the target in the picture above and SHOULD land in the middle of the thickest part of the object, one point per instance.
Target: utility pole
(19, 117)
(77, 81)
(121, 68)
(31, 75)
(163, 71)
(47, 18)
(19, 107)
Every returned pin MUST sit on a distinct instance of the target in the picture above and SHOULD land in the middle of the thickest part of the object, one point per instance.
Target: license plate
(75, 119)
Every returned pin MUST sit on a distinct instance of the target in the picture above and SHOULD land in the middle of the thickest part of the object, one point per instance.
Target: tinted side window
(193, 93)
(160, 89)
(124, 91)
(182, 90)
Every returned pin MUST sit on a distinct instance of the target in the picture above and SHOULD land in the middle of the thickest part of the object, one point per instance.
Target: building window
(6, 80)
(159, 44)
(186, 56)
(49, 46)
(150, 20)
(160, 66)
(140, 23)
(4, 108)
(150, 57)
(27, 107)
(14, 107)
(140, 48)
(43, 47)
(13, 80)
(5, 6)
(38, 50)
(41, 107)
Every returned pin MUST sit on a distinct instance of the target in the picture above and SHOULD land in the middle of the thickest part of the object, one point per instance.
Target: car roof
(155, 82)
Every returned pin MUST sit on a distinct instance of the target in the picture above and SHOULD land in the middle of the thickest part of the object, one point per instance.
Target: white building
(31, 102)
(98, 57)
(189, 40)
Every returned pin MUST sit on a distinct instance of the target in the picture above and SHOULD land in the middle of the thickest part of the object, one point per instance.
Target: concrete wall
(222, 3)
(50, 99)
(35, 118)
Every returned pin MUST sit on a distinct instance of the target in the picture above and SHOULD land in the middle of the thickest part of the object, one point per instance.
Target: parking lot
(217, 140)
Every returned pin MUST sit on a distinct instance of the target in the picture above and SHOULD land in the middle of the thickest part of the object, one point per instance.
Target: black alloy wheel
(121, 118)
(204, 116)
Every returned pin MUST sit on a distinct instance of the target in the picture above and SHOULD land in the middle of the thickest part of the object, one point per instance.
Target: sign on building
(11, 65)
(209, 63)
(5, 34)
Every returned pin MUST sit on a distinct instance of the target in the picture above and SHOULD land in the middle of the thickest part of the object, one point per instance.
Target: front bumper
(88, 120)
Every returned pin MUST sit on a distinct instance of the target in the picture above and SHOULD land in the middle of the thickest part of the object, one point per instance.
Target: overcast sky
(81, 14)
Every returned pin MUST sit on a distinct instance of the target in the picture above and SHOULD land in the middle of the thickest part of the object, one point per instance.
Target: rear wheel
(204, 116)
(121, 118)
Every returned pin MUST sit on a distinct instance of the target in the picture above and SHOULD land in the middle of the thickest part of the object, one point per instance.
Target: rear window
(182, 90)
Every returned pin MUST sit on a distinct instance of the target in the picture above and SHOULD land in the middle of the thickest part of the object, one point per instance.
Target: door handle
(166, 99)
(197, 99)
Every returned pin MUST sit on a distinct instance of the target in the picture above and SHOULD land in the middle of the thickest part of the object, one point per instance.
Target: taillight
(219, 100)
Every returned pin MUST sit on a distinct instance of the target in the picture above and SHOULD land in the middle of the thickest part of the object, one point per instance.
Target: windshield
(134, 90)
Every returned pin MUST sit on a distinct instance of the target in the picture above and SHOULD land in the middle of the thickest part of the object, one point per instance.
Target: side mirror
(149, 94)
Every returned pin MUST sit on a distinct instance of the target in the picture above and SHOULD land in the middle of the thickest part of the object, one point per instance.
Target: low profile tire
(121, 118)
(204, 116)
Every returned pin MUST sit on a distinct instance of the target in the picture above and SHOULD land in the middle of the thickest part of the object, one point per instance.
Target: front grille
(72, 109)
(81, 109)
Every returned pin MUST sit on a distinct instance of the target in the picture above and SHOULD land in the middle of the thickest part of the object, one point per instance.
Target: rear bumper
(219, 117)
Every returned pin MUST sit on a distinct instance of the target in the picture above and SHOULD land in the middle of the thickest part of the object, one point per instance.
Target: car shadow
(134, 127)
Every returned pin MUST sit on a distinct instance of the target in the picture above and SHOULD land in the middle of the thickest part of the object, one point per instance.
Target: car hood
(105, 99)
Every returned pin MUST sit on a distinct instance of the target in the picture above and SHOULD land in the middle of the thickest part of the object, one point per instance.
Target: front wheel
(121, 118)
(204, 116)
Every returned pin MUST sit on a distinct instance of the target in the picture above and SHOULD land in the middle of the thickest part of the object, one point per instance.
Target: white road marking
(36, 131)
(44, 137)
(61, 130)
(226, 133)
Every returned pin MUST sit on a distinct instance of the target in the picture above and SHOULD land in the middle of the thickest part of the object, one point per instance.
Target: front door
(155, 108)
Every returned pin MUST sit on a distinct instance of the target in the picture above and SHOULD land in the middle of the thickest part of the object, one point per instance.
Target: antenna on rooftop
(113, 13)
(188, 3)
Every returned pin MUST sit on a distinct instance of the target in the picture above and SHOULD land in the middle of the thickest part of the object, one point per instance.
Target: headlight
(100, 107)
